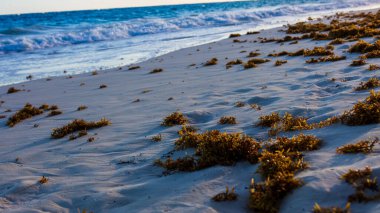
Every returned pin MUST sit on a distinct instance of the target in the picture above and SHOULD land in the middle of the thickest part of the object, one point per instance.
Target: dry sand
(115, 173)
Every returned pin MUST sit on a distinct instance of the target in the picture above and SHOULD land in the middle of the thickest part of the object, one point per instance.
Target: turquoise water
(46, 44)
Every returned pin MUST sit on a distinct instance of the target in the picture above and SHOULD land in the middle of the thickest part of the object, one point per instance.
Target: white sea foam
(138, 27)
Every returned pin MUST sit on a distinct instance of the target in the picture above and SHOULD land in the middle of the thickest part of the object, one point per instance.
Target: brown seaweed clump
(47, 107)
(363, 146)
(364, 47)
(253, 62)
(228, 195)
(220, 148)
(213, 61)
(134, 68)
(373, 67)
(279, 163)
(354, 175)
(329, 58)
(353, 31)
(304, 27)
(102, 86)
(234, 62)
(213, 148)
(82, 107)
(27, 112)
(280, 62)
(184, 164)
(362, 182)
(80, 134)
(373, 54)
(298, 53)
(227, 120)
(289, 122)
(239, 104)
(318, 51)
(363, 112)
(258, 60)
(176, 118)
(253, 54)
(78, 125)
(157, 138)
(13, 90)
(279, 169)
(269, 120)
(370, 84)
(359, 62)
(255, 107)
(318, 209)
(298, 143)
(351, 28)
(283, 53)
(43, 180)
(234, 35)
(54, 113)
(249, 65)
(252, 32)
(337, 41)
(157, 70)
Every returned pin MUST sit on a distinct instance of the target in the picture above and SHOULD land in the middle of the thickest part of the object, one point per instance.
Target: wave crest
(16, 40)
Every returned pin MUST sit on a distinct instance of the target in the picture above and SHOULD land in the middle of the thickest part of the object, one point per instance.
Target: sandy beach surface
(116, 172)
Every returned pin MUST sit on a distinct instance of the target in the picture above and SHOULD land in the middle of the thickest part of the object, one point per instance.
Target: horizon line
(122, 7)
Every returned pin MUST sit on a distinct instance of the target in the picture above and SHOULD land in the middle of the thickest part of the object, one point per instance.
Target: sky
(29, 6)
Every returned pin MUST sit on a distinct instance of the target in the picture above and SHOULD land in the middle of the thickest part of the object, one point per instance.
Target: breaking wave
(24, 39)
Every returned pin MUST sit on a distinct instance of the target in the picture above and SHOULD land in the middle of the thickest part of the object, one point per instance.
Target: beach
(54, 43)
(116, 171)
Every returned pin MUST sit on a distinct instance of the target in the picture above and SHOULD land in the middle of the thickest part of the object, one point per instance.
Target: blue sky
(28, 6)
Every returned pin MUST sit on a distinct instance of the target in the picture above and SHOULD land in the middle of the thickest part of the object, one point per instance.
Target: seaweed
(370, 84)
(227, 120)
(363, 112)
(318, 51)
(234, 35)
(228, 195)
(27, 112)
(157, 70)
(318, 209)
(176, 118)
(364, 146)
(13, 90)
(298, 143)
(280, 62)
(78, 125)
(211, 62)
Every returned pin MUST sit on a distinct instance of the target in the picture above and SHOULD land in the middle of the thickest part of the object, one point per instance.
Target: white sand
(87, 175)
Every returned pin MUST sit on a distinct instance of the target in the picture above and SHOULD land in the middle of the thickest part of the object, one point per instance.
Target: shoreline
(115, 172)
(108, 66)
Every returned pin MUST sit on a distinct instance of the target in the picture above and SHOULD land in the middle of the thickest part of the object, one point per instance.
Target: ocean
(47, 44)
